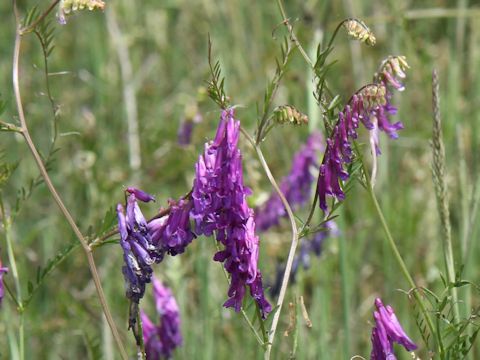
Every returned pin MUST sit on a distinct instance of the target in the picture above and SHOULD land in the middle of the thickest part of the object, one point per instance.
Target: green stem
(38, 20)
(394, 248)
(53, 190)
(7, 223)
(293, 246)
(140, 342)
(292, 34)
(345, 295)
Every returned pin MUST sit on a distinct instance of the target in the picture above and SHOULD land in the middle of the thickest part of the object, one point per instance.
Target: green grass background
(167, 43)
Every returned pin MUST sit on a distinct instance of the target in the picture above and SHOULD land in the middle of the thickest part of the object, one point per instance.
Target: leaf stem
(292, 34)
(394, 248)
(51, 187)
(293, 246)
(33, 25)
(13, 266)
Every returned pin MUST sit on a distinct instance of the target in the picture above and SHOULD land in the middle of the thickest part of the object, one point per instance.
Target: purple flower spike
(161, 341)
(387, 331)
(220, 208)
(140, 195)
(3, 270)
(295, 186)
(139, 250)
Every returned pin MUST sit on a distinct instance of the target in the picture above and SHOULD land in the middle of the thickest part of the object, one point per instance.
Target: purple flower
(161, 341)
(139, 250)
(3, 270)
(295, 186)
(387, 330)
(371, 106)
(220, 208)
(140, 195)
(176, 233)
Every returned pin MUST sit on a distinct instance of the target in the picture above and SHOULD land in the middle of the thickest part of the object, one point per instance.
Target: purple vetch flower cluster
(160, 341)
(371, 106)
(387, 331)
(139, 250)
(3, 270)
(295, 186)
(220, 208)
(145, 243)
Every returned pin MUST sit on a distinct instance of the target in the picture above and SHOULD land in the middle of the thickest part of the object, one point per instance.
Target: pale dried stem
(53, 191)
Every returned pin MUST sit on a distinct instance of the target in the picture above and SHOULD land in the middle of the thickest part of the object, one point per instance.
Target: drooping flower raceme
(220, 208)
(295, 186)
(146, 243)
(161, 340)
(3, 270)
(387, 331)
(139, 250)
(371, 106)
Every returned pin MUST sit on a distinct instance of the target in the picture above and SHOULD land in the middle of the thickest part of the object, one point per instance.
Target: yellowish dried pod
(359, 31)
(288, 114)
(374, 95)
(66, 7)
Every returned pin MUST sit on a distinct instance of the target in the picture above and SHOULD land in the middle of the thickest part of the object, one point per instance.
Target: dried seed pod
(359, 31)
(374, 95)
(289, 114)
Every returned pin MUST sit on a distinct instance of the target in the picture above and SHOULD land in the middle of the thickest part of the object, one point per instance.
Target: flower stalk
(7, 224)
(38, 160)
(394, 248)
(293, 246)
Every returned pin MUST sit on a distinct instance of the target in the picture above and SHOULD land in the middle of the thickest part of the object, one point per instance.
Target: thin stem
(38, 20)
(13, 266)
(270, 95)
(393, 247)
(293, 246)
(262, 323)
(292, 33)
(345, 293)
(49, 92)
(139, 335)
(53, 191)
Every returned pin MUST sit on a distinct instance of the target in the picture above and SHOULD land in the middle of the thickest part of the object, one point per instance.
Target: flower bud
(289, 114)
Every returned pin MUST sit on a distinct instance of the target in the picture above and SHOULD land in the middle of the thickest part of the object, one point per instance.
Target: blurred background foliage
(166, 43)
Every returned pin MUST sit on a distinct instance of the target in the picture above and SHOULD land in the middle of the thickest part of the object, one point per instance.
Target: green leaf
(51, 265)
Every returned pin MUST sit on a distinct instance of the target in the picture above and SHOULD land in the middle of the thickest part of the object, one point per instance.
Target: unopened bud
(289, 114)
